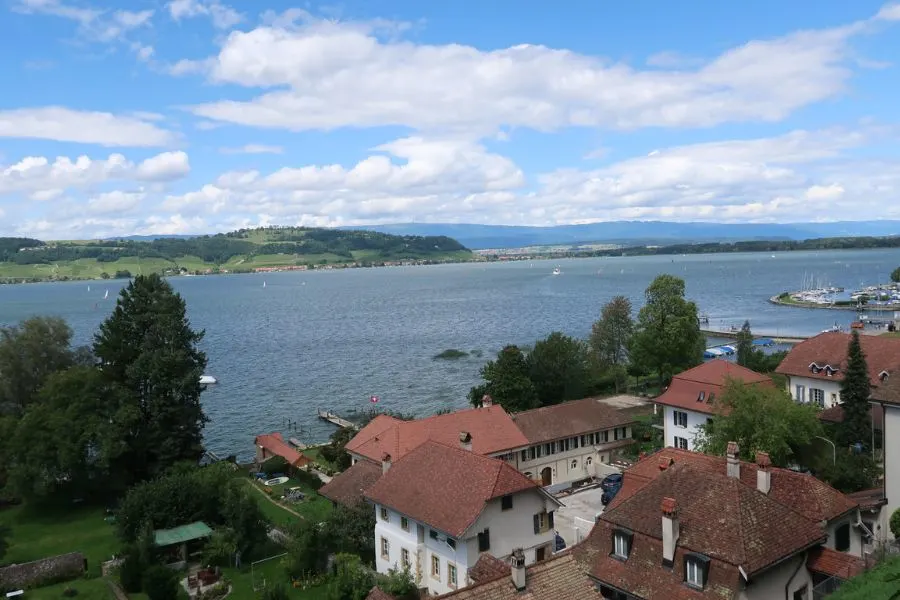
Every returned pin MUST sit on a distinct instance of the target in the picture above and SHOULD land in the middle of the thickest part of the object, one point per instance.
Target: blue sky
(200, 115)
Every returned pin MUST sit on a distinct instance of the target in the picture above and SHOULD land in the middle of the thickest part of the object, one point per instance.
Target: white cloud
(223, 17)
(86, 127)
(889, 12)
(253, 149)
(94, 24)
(45, 180)
(825, 192)
(115, 202)
(164, 167)
(345, 74)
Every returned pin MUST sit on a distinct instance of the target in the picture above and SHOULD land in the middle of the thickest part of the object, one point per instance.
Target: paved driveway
(575, 520)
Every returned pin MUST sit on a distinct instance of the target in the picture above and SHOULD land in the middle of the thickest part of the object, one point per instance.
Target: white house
(887, 399)
(571, 441)
(815, 367)
(690, 400)
(439, 507)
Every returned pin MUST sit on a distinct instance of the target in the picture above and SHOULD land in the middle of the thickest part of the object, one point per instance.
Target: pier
(335, 419)
(732, 335)
(297, 444)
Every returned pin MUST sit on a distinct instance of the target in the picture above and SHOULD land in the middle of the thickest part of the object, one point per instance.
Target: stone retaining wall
(42, 572)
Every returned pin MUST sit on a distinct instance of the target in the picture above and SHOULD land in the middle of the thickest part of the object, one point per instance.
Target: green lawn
(88, 589)
(315, 454)
(272, 573)
(881, 582)
(313, 507)
(37, 533)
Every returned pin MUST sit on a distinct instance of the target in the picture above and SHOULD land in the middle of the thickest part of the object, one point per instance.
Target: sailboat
(106, 295)
(264, 284)
(556, 271)
(89, 288)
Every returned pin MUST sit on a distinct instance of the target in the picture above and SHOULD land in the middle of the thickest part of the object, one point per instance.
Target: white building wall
(514, 528)
(830, 388)
(891, 464)
(790, 576)
(694, 421)
(856, 541)
(573, 464)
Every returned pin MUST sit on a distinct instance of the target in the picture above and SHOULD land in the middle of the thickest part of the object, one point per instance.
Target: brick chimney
(670, 530)
(518, 569)
(763, 472)
(465, 440)
(385, 463)
(486, 400)
(665, 462)
(733, 462)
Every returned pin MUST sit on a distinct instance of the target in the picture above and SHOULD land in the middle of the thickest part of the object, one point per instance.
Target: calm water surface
(333, 339)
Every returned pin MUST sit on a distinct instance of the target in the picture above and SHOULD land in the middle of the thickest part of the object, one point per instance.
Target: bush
(895, 523)
(309, 478)
(220, 549)
(275, 592)
(131, 572)
(161, 583)
(275, 464)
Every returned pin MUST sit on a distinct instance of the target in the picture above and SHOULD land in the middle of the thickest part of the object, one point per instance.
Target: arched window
(574, 463)
(588, 461)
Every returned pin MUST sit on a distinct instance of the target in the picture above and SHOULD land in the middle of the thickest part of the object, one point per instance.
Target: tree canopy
(611, 334)
(667, 336)
(856, 428)
(895, 275)
(507, 382)
(559, 368)
(759, 418)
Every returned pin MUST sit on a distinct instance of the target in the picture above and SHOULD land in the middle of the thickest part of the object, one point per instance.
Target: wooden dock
(335, 419)
(730, 334)
(297, 444)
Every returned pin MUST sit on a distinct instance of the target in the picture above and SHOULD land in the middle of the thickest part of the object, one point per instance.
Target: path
(272, 500)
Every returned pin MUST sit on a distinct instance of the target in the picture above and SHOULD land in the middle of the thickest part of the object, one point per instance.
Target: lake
(333, 339)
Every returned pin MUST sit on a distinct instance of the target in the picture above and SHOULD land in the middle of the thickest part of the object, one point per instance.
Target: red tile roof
(488, 567)
(347, 488)
(889, 390)
(446, 487)
(835, 414)
(491, 428)
(557, 578)
(871, 499)
(710, 379)
(573, 418)
(719, 517)
(882, 354)
(833, 563)
(800, 492)
(275, 444)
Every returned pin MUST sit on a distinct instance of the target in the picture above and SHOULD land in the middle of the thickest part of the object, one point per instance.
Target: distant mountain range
(479, 237)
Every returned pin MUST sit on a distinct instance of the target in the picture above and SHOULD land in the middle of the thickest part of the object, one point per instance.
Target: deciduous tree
(351, 581)
(559, 369)
(855, 390)
(759, 418)
(507, 382)
(148, 347)
(895, 275)
(667, 336)
(611, 335)
(745, 348)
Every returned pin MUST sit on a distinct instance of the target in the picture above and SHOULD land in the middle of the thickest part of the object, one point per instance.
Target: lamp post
(833, 448)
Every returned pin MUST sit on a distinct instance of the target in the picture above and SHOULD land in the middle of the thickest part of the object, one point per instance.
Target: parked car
(608, 496)
(611, 481)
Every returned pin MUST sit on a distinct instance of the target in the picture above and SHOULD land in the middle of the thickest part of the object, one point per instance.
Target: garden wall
(42, 572)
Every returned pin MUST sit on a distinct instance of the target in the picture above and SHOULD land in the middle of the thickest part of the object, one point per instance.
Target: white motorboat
(208, 380)
(556, 271)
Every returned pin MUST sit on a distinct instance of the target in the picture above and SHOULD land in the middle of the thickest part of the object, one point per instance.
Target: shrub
(895, 523)
(275, 592)
(160, 583)
(273, 465)
(132, 571)
(309, 478)
(220, 549)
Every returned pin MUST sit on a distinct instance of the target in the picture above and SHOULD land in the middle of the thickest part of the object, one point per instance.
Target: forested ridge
(222, 247)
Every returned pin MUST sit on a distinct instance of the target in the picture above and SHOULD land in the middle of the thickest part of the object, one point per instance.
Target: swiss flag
(374, 399)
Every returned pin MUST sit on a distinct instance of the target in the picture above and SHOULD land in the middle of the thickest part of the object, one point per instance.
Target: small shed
(182, 535)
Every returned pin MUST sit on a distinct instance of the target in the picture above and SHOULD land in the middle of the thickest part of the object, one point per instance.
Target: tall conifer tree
(855, 390)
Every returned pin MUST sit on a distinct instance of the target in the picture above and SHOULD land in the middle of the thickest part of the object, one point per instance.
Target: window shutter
(537, 524)
(675, 417)
(550, 519)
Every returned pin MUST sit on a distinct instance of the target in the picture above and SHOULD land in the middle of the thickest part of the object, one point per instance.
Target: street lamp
(833, 448)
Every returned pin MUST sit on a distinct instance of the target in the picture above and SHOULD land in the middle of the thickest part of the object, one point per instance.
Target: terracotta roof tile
(491, 428)
(889, 390)
(446, 487)
(833, 563)
(488, 567)
(348, 488)
(882, 354)
(709, 379)
(558, 578)
(871, 499)
(575, 418)
(274, 443)
(835, 414)
(719, 516)
(800, 492)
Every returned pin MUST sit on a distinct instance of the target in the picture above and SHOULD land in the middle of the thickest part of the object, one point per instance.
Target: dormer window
(712, 397)
(622, 543)
(814, 368)
(829, 370)
(696, 570)
(883, 376)
(701, 396)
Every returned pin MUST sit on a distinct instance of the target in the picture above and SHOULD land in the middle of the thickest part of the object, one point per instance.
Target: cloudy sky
(198, 116)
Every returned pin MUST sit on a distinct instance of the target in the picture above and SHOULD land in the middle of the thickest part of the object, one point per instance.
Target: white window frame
(385, 548)
(620, 545)
(435, 566)
(385, 515)
(680, 442)
(451, 575)
(404, 558)
(817, 397)
(800, 391)
(404, 523)
(693, 573)
(677, 418)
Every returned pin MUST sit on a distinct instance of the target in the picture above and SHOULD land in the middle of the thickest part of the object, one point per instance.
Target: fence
(260, 584)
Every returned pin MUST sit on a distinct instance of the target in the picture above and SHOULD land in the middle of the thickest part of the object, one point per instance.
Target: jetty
(297, 444)
(335, 419)
(733, 334)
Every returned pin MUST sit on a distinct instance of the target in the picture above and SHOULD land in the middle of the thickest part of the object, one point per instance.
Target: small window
(525, 455)
(842, 538)
(432, 534)
(680, 417)
(435, 566)
(583, 440)
(385, 548)
(543, 522)
(452, 543)
(620, 545)
(680, 442)
(484, 540)
(404, 523)
(701, 396)
(451, 575)
(404, 557)
(575, 443)
(574, 463)
(506, 503)
(693, 573)
(588, 461)
(384, 514)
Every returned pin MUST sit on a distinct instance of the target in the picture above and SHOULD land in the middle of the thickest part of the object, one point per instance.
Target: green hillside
(239, 251)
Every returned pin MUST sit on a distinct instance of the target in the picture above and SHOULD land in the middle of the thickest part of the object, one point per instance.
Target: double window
(696, 570)
(451, 575)
(621, 543)
(680, 442)
(385, 548)
(506, 502)
(543, 522)
(817, 397)
(435, 566)
(800, 393)
(404, 558)
(680, 418)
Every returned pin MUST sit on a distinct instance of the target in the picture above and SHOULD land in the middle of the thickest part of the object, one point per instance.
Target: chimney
(465, 440)
(518, 569)
(734, 463)
(669, 530)
(763, 473)
(385, 463)
(486, 400)
(665, 462)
